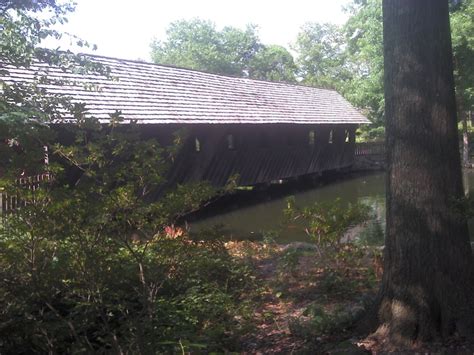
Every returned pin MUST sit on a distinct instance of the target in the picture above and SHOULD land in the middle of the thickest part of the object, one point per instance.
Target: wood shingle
(157, 94)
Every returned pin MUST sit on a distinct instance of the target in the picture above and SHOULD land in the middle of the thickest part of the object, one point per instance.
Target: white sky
(125, 29)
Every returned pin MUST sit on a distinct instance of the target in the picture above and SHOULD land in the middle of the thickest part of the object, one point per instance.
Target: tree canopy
(363, 34)
(198, 44)
(462, 29)
(321, 59)
(273, 63)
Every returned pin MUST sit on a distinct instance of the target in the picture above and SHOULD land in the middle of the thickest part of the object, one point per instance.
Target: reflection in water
(267, 216)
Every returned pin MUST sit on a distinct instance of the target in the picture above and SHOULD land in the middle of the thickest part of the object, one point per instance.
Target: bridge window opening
(311, 137)
(197, 145)
(330, 137)
(230, 142)
(347, 136)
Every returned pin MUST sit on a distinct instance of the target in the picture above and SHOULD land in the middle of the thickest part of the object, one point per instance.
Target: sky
(125, 29)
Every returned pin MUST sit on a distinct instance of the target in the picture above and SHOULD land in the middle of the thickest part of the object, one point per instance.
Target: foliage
(348, 58)
(83, 293)
(364, 40)
(24, 26)
(462, 33)
(338, 268)
(289, 262)
(273, 63)
(326, 222)
(321, 60)
(197, 44)
(89, 263)
(22, 33)
(370, 134)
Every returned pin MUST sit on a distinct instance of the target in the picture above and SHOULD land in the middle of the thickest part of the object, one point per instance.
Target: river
(265, 218)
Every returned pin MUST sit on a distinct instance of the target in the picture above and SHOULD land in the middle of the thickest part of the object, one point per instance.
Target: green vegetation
(321, 56)
(326, 222)
(197, 44)
(363, 34)
(80, 293)
(462, 33)
(91, 261)
(311, 294)
(96, 268)
(91, 264)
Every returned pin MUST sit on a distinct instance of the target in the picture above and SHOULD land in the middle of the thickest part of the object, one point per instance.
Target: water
(265, 218)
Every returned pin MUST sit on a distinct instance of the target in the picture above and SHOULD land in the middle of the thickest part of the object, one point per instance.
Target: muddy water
(266, 218)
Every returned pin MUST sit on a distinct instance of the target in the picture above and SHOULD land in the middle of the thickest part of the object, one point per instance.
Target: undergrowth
(182, 294)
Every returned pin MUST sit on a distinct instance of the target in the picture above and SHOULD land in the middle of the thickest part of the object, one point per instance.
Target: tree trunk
(426, 287)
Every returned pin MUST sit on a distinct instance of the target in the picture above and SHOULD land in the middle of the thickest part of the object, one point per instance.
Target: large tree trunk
(426, 287)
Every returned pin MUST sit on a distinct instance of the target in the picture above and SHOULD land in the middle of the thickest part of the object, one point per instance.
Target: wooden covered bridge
(255, 130)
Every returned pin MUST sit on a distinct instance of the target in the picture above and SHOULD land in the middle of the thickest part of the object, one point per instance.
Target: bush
(85, 294)
(326, 222)
(371, 134)
(94, 264)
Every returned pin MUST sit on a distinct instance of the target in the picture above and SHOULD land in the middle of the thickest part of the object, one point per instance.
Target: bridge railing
(11, 202)
(370, 148)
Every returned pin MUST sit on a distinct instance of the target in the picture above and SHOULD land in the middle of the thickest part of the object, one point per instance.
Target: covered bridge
(255, 130)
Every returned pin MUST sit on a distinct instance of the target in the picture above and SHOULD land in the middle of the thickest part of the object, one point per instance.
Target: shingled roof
(157, 94)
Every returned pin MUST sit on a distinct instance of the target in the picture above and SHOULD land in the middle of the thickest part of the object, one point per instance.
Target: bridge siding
(262, 153)
(286, 153)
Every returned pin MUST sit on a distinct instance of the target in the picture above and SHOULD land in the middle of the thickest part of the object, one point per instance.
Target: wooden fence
(370, 148)
(9, 202)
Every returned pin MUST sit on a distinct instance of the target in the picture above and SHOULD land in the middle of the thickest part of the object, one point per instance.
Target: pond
(265, 218)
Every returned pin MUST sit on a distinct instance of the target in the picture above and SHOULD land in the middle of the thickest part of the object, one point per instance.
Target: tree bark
(426, 288)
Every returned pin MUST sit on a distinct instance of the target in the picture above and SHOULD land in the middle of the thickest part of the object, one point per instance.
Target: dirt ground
(309, 305)
(293, 283)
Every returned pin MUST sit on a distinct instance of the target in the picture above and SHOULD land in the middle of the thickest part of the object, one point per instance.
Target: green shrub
(288, 262)
(84, 293)
(326, 222)
(95, 264)
(371, 134)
